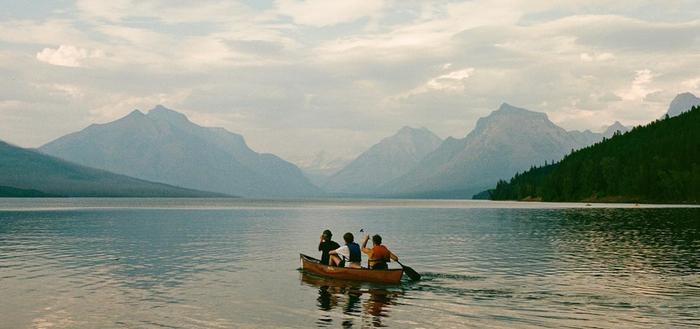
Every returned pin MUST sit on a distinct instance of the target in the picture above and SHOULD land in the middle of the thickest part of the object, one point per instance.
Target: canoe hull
(312, 265)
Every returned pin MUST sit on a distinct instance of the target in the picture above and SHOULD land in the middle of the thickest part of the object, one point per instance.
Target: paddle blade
(410, 272)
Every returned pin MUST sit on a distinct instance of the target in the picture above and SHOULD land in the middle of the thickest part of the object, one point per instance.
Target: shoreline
(53, 204)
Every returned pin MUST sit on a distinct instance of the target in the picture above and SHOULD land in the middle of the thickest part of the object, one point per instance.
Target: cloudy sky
(296, 77)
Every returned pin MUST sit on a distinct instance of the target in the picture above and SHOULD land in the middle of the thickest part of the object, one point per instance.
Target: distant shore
(43, 204)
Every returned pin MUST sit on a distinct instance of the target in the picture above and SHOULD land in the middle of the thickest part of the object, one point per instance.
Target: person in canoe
(326, 245)
(350, 253)
(379, 255)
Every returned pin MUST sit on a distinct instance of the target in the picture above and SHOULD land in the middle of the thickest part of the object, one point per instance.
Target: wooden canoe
(313, 265)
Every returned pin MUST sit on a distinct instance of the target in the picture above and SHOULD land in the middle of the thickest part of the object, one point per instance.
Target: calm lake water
(179, 263)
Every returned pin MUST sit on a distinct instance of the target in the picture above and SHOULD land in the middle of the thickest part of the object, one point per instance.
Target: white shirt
(345, 252)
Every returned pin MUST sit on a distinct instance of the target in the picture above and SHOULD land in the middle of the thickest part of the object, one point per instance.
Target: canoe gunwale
(314, 266)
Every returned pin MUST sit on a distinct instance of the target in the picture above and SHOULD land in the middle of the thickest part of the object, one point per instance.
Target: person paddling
(326, 245)
(379, 255)
(350, 253)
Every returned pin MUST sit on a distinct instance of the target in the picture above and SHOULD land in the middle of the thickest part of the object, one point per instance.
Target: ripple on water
(234, 267)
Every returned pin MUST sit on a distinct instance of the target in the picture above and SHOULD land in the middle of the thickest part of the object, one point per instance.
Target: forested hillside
(27, 173)
(659, 162)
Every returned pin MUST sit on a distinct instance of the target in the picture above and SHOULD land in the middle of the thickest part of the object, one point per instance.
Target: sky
(297, 77)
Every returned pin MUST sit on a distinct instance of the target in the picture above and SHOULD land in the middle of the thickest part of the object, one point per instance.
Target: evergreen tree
(659, 162)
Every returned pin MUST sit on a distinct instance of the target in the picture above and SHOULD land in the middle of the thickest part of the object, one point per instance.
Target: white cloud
(41, 32)
(67, 55)
(600, 57)
(453, 81)
(170, 12)
(108, 10)
(692, 84)
(432, 35)
(640, 87)
(321, 13)
(70, 91)
(336, 67)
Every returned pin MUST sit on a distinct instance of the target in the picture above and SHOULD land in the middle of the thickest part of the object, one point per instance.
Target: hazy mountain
(321, 166)
(586, 137)
(164, 146)
(615, 127)
(681, 103)
(507, 141)
(28, 173)
(633, 167)
(391, 158)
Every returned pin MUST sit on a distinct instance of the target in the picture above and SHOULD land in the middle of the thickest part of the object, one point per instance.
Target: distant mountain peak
(136, 113)
(508, 109)
(508, 140)
(505, 107)
(392, 157)
(406, 130)
(164, 146)
(162, 112)
(133, 116)
(686, 95)
(615, 127)
(507, 113)
(681, 103)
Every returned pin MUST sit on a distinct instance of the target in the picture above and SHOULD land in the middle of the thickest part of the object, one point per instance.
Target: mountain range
(389, 159)
(508, 140)
(164, 146)
(28, 173)
(416, 163)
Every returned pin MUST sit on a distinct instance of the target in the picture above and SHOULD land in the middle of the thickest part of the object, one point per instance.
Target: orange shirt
(379, 254)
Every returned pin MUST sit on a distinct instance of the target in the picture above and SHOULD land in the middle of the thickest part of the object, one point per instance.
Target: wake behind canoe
(313, 265)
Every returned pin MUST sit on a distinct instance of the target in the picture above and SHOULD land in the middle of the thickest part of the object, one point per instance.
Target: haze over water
(208, 263)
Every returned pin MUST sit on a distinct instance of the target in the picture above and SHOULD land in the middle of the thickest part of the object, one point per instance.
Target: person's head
(327, 235)
(377, 239)
(348, 237)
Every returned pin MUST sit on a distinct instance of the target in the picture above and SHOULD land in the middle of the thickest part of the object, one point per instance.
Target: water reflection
(228, 268)
(643, 241)
(371, 304)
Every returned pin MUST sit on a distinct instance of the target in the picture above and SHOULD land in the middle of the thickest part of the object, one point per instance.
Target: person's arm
(393, 256)
(320, 243)
(364, 246)
(342, 251)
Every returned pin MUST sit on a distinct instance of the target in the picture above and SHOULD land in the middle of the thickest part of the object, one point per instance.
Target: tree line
(658, 162)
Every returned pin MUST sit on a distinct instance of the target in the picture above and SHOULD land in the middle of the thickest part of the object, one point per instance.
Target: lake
(231, 263)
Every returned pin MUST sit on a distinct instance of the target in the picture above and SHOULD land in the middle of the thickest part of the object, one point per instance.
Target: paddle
(415, 276)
